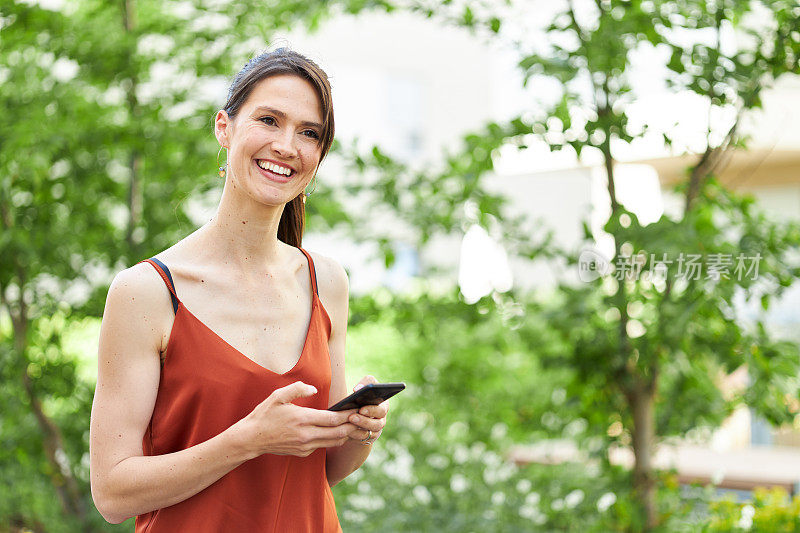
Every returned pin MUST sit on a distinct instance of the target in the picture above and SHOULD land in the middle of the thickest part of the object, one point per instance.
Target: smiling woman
(210, 412)
(296, 86)
(283, 150)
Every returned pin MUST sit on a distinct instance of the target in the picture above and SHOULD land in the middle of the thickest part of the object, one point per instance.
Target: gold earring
(222, 169)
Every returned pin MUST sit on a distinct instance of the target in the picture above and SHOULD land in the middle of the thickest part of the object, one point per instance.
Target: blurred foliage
(770, 510)
(100, 165)
(108, 129)
(683, 331)
(425, 475)
(644, 357)
(464, 363)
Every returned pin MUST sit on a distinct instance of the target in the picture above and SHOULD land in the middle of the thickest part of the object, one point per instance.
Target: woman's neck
(246, 236)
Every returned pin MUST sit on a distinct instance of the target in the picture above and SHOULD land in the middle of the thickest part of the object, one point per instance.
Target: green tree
(107, 134)
(645, 353)
(652, 350)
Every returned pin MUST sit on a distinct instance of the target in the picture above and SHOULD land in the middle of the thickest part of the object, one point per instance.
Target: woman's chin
(264, 192)
(273, 197)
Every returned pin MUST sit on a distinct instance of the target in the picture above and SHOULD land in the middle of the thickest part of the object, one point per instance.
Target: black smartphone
(371, 394)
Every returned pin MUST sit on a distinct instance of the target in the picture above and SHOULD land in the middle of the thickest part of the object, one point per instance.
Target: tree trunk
(640, 394)
(643, 437)
(66, 486)
(134, 201)
(64, 483)
(135, 165)
(608, 162)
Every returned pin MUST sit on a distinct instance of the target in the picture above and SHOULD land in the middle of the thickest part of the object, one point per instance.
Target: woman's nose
(284, 144)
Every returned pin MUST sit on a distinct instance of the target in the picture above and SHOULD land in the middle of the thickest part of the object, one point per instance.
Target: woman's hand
(370, 419)
(280, 427)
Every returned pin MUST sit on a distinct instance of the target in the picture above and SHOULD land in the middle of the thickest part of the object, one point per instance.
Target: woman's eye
(270, 121)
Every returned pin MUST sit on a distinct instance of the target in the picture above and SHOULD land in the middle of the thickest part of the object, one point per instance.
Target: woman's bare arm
(126, 483)
(343, 460)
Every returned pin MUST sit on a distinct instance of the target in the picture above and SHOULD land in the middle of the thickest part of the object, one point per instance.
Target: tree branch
(712, 157)
(63, 481)
(603, 110)
(708, 164)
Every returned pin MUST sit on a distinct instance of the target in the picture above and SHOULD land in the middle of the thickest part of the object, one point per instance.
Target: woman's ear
(223, 127)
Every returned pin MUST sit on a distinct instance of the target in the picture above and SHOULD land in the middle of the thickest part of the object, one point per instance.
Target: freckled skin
(251, 135)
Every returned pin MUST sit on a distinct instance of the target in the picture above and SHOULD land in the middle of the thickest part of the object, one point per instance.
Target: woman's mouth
(274, 172)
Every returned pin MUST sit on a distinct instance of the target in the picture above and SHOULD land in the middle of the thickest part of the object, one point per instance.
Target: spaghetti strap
(163, 271)
(311, 270)
(207, 385)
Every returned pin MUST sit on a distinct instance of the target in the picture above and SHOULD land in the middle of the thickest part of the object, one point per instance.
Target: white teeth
(266, 165)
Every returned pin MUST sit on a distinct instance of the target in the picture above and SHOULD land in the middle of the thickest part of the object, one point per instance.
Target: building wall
(781, 202)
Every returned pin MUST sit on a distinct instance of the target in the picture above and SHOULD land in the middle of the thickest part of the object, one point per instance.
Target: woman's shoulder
(137, 280)
(138, 305)
(334, 289)
(142, 286)
(139, 289)
(180, 259)
(331, 276)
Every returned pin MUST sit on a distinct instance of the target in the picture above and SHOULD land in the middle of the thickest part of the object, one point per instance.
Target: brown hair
(285, 61)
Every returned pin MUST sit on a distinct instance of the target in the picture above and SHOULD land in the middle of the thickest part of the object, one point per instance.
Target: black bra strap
(172, 293)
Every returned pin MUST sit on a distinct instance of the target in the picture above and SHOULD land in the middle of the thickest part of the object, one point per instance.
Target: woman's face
(274, 140)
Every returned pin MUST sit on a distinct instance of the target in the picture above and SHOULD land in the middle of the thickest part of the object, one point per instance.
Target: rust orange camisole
(206, 386)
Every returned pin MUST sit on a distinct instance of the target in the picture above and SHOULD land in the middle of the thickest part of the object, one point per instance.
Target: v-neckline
(315, 302)
(252, 361)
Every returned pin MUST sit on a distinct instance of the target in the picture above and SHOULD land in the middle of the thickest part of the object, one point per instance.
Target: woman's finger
(366, 380)
(374, 424)
(363, 434)
(319, 417)
(374, 411)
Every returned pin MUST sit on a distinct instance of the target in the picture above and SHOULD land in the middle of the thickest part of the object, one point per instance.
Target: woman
(205, 418)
